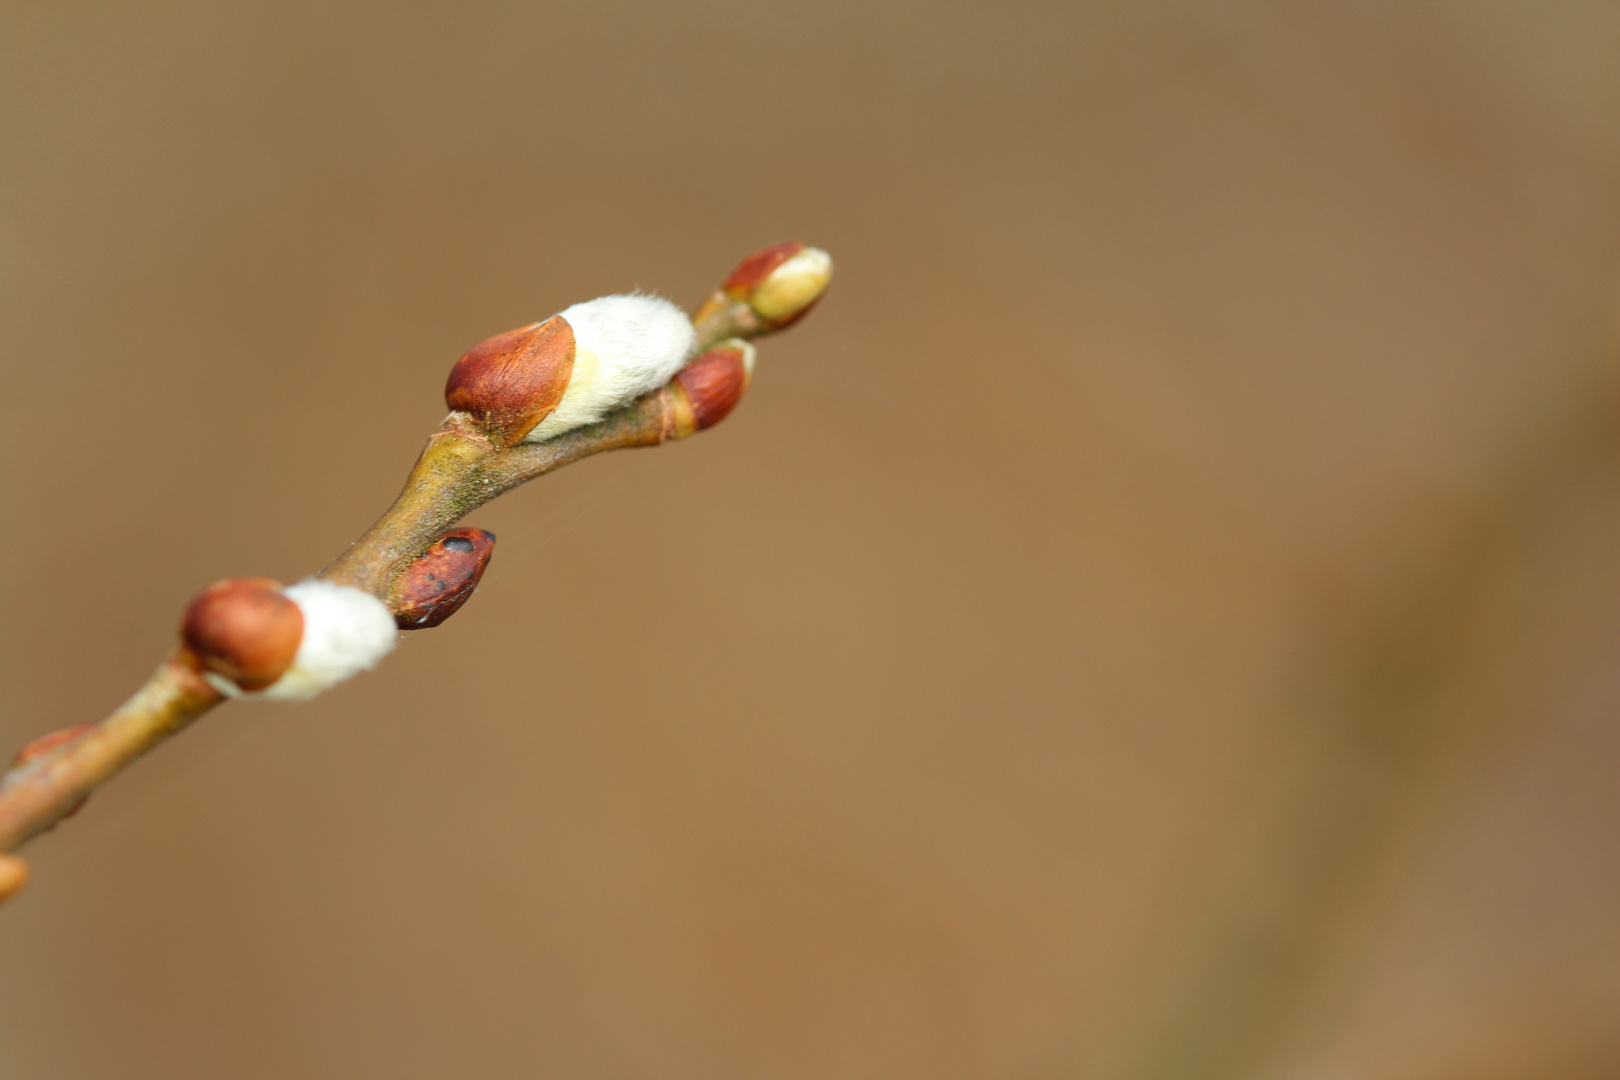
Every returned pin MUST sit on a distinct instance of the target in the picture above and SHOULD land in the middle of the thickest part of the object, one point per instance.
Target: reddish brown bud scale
(711, 385)
(512, 381)
(440, 580)
(752, 271)
(245, 629)
(779, 284)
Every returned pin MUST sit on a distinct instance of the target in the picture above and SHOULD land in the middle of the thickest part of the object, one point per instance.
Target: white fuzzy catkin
(346, 631)
(624, 346)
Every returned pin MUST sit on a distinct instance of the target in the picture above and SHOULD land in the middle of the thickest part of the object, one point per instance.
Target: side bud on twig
(625, 346)
(704, 392)
(442, 578)
(252, 638)
(536, 382)
(782, 283)
(244, 632)
(346, 631)
(44, 745)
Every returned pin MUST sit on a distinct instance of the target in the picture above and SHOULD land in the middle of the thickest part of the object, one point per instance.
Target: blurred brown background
(1158, 619)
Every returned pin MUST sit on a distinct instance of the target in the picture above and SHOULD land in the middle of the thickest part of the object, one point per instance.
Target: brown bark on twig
(469, 461)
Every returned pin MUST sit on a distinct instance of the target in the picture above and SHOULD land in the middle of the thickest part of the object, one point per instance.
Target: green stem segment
(461, 470)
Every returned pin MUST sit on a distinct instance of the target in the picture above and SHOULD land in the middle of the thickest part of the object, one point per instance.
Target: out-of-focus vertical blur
(1158, 619)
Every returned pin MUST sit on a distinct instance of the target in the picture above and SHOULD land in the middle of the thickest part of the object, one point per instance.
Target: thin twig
(39, 795)
(464, 466)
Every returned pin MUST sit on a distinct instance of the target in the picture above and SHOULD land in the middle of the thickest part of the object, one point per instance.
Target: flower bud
(441, 579)
(512, 381)
(624, 346)
(705, 391)
(346, 631)
(781, 283)
(252, 638)
(44, 745)
(244, 632)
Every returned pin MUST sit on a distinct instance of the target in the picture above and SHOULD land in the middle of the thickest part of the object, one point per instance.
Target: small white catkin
(624, 346)
(346, 632)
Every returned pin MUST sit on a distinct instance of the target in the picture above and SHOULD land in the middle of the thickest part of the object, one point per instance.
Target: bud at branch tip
(781, 283)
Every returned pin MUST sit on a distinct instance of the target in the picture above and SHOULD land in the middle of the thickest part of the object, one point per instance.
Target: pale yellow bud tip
(792, 287)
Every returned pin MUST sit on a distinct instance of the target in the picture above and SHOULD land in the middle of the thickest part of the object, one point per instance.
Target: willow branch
(37, 796)
(461, 470)
(246, 636)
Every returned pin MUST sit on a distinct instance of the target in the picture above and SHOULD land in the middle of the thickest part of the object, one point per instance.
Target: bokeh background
(1158, 619)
